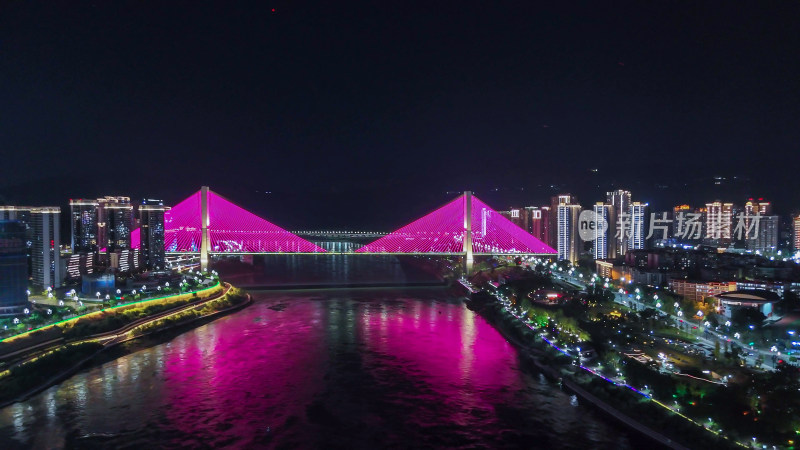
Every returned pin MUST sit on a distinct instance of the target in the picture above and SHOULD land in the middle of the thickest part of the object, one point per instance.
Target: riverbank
(19, 384)
(618, 402)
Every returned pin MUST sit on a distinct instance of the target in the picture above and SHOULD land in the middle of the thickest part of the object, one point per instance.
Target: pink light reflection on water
(244, 380)
(448, 346)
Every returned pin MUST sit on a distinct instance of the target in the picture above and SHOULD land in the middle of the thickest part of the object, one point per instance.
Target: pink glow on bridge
(231, 229)
(493, 233)
(442, 231)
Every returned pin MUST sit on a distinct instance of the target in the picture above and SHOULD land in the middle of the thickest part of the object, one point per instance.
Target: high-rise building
(620, 201)
(21, 214)
(796, 226)
(766, 233)
(638, 226)
(151, 229)
(13, 268)
(114, 221)
(602, 238)
(546, 229)
(680, 214)
(83, 218)
(46, 267)
(555, 201)
(42, 226)
(569, 242)
(719, 223)
(757, 207)
(539, 222)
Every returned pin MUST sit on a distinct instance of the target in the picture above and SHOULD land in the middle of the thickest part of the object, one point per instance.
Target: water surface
(312, 369)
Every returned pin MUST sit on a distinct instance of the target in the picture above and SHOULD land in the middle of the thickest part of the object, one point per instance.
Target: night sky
(365, 114)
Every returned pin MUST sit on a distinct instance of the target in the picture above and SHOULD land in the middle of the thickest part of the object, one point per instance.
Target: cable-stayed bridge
(206, 223)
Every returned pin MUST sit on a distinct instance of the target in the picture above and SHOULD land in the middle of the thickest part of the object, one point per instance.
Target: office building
(42, 225)
(151, 229)
(764, 237)
(46, 269)
(83, 223)
(719, 223)
(13, 268)
(540, 223)
(638, 226)
(620, 201)
(680, 214)
(555, 201)
(569, 244)
(796, 227)
(602, 237)
(547, 228)
(114, 221)
(21, 214)
(757, 207)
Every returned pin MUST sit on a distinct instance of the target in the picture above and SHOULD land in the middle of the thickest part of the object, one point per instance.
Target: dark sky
(364, 114)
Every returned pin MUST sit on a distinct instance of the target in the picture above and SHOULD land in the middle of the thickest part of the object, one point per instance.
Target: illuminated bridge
(207, 224)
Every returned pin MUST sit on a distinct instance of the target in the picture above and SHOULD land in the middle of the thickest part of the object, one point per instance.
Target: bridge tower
(204, 227)
(468, 260)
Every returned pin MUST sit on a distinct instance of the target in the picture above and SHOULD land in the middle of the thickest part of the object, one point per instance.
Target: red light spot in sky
(273, 9)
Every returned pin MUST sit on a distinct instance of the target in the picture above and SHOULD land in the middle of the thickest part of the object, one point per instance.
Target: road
(111, 337)
(630, 301)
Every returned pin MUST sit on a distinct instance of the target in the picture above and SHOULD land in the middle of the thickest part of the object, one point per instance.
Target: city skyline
(382, 103)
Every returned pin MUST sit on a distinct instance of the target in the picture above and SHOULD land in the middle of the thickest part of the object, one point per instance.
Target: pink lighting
(442, 231)
(493, 233)
(231, 229)
(136, 238)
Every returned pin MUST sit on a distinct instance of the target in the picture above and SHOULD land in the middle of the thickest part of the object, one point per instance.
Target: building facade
(83, 224)
(767, 234)
(602, 248)
(115, 219)
(719, 223)
(796, 227)
(13, 268)
(620, 201)
(638, 226)
(46, 269)
(42, 226)
(698, 290)
(569, 242)
(151, 229)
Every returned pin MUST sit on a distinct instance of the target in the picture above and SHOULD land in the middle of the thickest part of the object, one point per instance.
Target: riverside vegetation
(22, 378)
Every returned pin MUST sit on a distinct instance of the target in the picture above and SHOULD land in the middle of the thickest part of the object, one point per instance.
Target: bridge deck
(356, 253)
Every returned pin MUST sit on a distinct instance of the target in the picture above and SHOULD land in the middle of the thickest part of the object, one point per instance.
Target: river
(310, 369)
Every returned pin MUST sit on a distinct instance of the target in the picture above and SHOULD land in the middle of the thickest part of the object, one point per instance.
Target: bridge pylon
(468, 258)
(204, 228)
